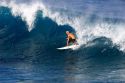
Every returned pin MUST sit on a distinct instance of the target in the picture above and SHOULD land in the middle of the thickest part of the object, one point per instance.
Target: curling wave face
(31, 30)
(36, 25)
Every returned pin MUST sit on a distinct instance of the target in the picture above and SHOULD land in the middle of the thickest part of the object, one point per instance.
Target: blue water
(32, 57)
(65, 69)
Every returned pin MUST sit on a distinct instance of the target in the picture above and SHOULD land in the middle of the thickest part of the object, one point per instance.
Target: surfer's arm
(67, 40)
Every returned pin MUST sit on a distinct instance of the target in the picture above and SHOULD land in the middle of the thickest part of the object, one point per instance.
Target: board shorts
(72, 40)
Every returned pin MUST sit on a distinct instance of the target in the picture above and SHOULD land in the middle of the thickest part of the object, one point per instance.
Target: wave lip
(88, 27)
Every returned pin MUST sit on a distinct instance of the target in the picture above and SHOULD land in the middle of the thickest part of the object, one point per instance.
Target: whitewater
(32, 30)
(85, 29)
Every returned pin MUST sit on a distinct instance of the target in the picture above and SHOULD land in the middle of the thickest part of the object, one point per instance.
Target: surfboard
(68, 47)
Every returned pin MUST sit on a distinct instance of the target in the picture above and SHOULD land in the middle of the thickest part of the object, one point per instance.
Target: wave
(79, 23)
(35, 26)
(16, 41)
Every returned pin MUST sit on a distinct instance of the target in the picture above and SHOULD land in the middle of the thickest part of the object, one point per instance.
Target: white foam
(85, 32)
(26, 11)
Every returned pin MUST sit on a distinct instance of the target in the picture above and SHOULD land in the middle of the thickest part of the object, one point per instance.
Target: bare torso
(72, 36)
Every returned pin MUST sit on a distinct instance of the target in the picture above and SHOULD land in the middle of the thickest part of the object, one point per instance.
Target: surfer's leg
(70, 41)
(75, 42)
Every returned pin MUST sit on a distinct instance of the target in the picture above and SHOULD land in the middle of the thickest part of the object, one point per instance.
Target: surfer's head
(67, 32)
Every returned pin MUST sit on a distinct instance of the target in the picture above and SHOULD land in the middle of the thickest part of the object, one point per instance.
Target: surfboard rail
(67, 47)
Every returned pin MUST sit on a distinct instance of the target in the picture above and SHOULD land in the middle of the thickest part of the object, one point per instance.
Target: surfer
(71, 38)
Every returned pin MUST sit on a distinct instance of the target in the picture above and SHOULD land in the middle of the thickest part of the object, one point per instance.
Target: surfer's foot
(76, 43)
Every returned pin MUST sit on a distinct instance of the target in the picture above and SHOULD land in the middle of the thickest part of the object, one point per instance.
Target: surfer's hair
(67, 31)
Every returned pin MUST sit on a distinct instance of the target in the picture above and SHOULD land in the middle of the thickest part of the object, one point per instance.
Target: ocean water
(32, 30)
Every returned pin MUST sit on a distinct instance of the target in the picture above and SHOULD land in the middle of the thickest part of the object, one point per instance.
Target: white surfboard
(68, 47)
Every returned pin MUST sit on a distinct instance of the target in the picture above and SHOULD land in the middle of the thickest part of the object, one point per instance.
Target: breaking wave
(36, 21)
